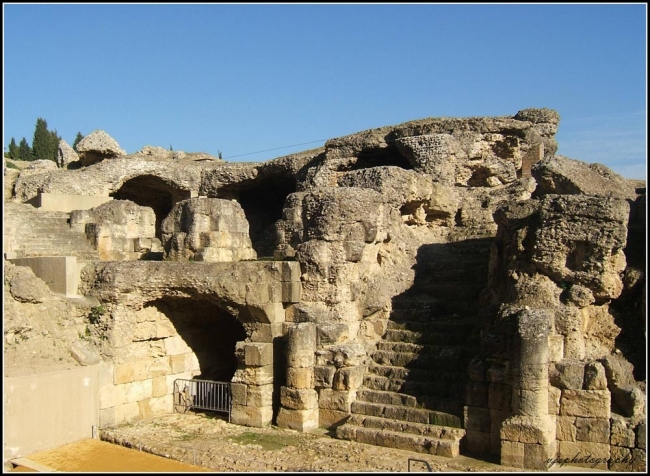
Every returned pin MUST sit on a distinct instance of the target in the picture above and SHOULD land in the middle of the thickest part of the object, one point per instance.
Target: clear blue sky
(245, 78)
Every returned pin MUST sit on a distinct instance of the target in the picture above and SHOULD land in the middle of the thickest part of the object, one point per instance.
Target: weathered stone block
(258, 354)
(239, 392)
(300, 377)
(555, 347)
(291, 291)
(107, 417)
(620, 459)
(585, 403)
(257, 417)
(584, 454)
(298, 399)
(140, 390)
(331, 418)
(300, 420)
(145, 412)
(301, 345)
(112, 396)
(499, 396)
(259, 395)
(595, 430)
(477, 419)
(162, 405)
(447, 449)
(159, 367)
(629, 401)
(348, 378)
(595, 378)
(254, 375)
(476, 394)
(478, 442)
(124, 373)
(177, 363)
(641, 436)
(126, 413)
(512, 454)
(340, 400)
(536, 456)
(566, 428)
(332, 333)
(554, 395)
(639, 462)
(159, 386)
(176, 345)
(567, 374)
(261, 332)
(526, 429)
(621, 434)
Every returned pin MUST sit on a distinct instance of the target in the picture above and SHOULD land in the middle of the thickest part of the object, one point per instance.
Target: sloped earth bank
(209, 441)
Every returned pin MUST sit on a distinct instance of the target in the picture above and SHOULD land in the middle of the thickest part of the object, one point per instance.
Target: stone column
(528, 437)
(299, 400)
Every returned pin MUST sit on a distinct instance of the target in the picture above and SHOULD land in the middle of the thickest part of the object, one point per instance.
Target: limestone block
(340, 400)
(554, 395)
(107, 417)
(159, 386)
(262, 332)
(595, 378)
(159, 367)
(164, 328)
(478, 442)
(476, 394)
(499, 396)
(532, 402)
(566, 428)
(259, 395)
(567, 374)
(331, 418)
(291, 291)
(192, 362)
(477, 419)
(620, 459)
(266, 312)
(512, 454)
(621, 433)
(586, 403)
(348, 378)
(298, 399)
(254, 375)
(177, 363)
(332, 333)
(170, 379)
(536, 456)
(300, 377)
(641, 435)
(145, 412)
(175, 345)
(291, 271)
(348, 355)
(300, 420)
(497, 418)
(595, 430)
(639, 462)
(584, 454)
(126, 413)
(138, 390)
(257, 417)
(239, 392)
(112, 396)
(526, 429)
(258, 354)
(161, 405)
(123, 373)
(447, 449)
(629, 401)
(324, 376)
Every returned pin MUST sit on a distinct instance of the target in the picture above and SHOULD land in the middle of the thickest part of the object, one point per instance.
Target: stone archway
(154, 192)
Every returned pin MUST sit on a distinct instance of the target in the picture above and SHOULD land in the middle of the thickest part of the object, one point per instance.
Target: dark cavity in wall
(262, 201)
(210, 331)
(378, 157)
(151, 191)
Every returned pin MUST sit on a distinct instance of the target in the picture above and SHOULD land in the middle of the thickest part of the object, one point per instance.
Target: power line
(277, 148)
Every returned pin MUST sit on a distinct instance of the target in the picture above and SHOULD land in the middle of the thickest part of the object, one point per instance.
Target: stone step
(409, 414)
(392, 372)
(423, 303)
(422, 349)
(404, 441)
(435, 431)
(417, 388)
(449, 358)
(387, 397)
(450, 326)
(414, 337)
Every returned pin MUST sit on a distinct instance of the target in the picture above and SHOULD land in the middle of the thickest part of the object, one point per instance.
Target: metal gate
(202, 395)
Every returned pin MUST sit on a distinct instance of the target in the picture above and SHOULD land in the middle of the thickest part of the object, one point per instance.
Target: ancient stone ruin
(444, 286)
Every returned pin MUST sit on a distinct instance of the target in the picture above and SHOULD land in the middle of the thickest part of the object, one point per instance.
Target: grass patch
(267, 442)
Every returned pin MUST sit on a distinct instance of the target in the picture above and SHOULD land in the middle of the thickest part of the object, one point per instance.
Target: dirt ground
(209, 441)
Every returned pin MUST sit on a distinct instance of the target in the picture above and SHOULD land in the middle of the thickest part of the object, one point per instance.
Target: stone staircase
(30, 232)
(413, 394)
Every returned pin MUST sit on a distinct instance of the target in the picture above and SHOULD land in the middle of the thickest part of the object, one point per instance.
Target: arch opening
(151, 191)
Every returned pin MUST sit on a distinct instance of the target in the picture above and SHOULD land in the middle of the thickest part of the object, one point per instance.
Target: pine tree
(77, 140)
(13, 150)
(24, 150)
(45, 145)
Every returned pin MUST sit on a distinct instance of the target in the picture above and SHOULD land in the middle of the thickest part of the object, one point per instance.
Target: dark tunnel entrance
(211, 333)
(151, 191)
(263, 202)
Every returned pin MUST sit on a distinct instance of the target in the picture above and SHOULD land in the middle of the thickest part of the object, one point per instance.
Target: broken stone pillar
(528, 437)
(252, 385)
(299, 406)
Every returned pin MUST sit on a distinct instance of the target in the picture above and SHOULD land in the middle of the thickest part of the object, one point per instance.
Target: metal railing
(426, 463)
(202, 395)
